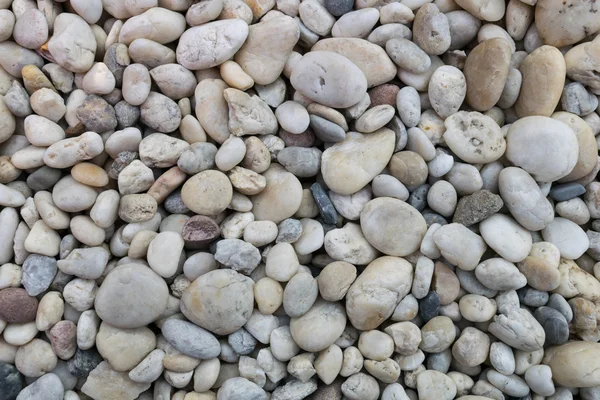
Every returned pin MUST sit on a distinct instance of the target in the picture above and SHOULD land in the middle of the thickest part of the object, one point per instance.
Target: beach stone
(303, 162)
(551, 82)
(580, 60)
(271, 204)
(474, 137)
(208, 192)
(407, 55)
(453, 237)
(105, 382)
(11, 380)
(220, 301)
(195, 54)
(360, 386)
(96, 114)
(73, 45)
(554, 26)
(567, 191)
(134, 308)
(476, 207)
(241, 123)
(83, 362)
(38, 273)
(236, 387)
(577, 100)
(554, 323)
(16, 306)
(324, 318)
(536, 128)
(124, 348)
(190, 339)
(570, 239)
(585, 162)
(237, 255)
(49, 386)
(567, 368)
(334, 92)
(431, 30)
(519, 329)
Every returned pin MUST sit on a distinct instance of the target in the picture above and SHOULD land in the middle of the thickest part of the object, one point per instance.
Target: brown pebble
(16, 306)
(384, 94)
(166, 184)
(445, 283)
(200, 230)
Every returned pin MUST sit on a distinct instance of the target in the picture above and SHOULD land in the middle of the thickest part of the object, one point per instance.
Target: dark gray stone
(554, 323)
(326, 208)
(560, 304)
(338, 8)
(289, 231)
(326, 130)
(127, 115)
(567, 191)
(113, 97)
(96, 114)
(429, 306)
(433, 218)
(532, 297)
(83, 362)
(11, 381)
(123, 159)
(117, 59)
(418, 198)
(38, 273)
(477, 207)
(174, 203)
(43, 178)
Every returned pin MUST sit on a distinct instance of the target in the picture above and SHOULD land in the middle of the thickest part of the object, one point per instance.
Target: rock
(195, 54)
(493, 11)
(474, 137)
(334, 92)
(104, 382)
(566, 191)
(325, 319)
(435, 385)
(301, 161)
(48, 387)
(565, 234)
(453, 240)
(499, 274)
(124, 348)
(566, 365)
(368, 57)
(554, 323)
(477, 207)
(136, 303)
(38, 273)
(281, 197)
(580, 60)
(240, 387)
(191, 339)
(585, 161)
(553, 21)
(550, 82)
(447, 90)
(208, 192)
(519, 329)
(200, 230)
(160, 113)
(16, 306)
(220, 301)
(96, 114)
(237, 255)
(73, 45)
(11, 381)
(525, 132)
(431, 30)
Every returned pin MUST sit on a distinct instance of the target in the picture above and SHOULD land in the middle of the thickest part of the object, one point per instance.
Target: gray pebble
(532, 297)
(197, 158)
(113, 97)
(326, 130)
(127, 115)
(17, 100)
(38, 273)
(47, 387)
(160, 113)
(60, 281)
(238, 255)
(242, 342)
(560, 304)
(337, 8)
(408, 103)
(476, 207)
(43, 178)
(554, 323)
(399, 129)
(190, 339)
(11, 381)
(433, 218)
(577, 100)
(567, 191)
(289, 231)
(67, 245)
(174, 203)
(294, 389)
(326, 208)
(470, 283)
(418, 198)
(96, 114)
(304, 162)
(439, 361)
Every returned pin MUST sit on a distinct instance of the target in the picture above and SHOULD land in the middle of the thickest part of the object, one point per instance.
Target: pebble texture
(286, 200)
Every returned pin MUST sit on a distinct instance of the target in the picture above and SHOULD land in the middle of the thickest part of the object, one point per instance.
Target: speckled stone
(384, 94)
(38, 273)
(11, 381)
(567, 191)
(326, 208)
(16, 306)
(554, 323)
(477, 207)
(289, 231)
(83, 362)
(418, 198)
(429, 306)
(338, 8)
(174, 204)
(127, 115)
(123, 159)
(96, 114)
(200, 230)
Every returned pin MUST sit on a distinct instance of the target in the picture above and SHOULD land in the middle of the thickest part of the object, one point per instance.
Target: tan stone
(575, 364)
(486, 71)
(207, 193)
(543, 81)
(540, 274)
(89, 174)
(563, 22)
(588, 149)
(409, 168)
(583, 62)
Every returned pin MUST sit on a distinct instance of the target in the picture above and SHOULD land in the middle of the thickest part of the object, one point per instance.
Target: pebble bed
(286, 199)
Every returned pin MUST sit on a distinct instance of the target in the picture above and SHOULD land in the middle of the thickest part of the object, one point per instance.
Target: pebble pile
(299, 199)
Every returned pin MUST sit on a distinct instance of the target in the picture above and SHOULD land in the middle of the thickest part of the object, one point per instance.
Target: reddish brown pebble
(384, 94)
(63, 337)
(200, 230)
(16, 306)
(166, 184)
